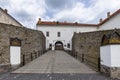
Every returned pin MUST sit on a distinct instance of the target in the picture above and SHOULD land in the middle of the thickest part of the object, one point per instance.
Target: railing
(69, 52)
(90, 60)
(31, 56)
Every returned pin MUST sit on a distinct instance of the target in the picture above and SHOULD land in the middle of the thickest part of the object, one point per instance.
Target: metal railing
(31, 56)
(88, 59)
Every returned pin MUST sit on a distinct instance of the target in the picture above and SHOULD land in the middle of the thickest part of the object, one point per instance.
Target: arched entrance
(58, 45)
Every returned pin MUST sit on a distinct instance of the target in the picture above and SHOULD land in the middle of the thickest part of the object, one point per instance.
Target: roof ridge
(11, 16)
(63, 23)
(108, 18)
(77, 23)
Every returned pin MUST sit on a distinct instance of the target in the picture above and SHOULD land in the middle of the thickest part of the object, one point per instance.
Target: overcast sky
(27, 12)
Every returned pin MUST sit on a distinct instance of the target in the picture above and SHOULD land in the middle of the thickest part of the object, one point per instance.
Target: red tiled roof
(63, 23)
(77, 24)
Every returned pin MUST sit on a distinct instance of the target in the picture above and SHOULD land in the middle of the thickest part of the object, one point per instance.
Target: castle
(59, 34)
(99, 43)
(86, 41)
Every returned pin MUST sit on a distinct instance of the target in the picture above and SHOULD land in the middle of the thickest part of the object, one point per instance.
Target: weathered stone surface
(105, 70)
(55, 62)
(89, 44)
(55, 76)
(113, 72)
(4, 67)
(32, 41)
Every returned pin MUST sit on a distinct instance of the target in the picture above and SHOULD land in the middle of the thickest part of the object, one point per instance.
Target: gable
(8, 19)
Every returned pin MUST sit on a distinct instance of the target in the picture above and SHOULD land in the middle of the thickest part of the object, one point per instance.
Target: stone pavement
(55, 62)
(54, 65)
(38, 76)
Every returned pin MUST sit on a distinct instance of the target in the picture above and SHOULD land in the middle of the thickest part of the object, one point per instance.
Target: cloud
(70, 14)
(57, 5)
(4, 3)
(84, 11)
(25, 11)
(84, 14)
(77, 13)
(29, 10)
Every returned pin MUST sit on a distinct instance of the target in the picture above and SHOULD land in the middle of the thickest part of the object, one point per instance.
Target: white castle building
(59, 34)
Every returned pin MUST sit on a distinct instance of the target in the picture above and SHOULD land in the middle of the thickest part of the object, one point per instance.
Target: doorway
(59, 45)
(15, 51)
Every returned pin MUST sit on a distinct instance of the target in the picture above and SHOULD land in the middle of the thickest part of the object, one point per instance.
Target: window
(50, 45)
(58, 34)
(47, 34)
(68, 45)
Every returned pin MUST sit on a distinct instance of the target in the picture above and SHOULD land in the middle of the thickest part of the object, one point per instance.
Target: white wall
(66, 33)
(115, 55)
(110, 55)
(15, 55)
(112, 23)
(105, 55)
(4, 18)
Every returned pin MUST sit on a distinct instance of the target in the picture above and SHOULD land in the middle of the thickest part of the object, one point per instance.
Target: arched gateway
(59, 45)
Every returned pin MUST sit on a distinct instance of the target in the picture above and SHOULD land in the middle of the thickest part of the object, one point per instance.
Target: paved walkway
(55, 62)
(39, 76)
(54, 65)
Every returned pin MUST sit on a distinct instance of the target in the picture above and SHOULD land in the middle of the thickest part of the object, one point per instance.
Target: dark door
(59, 45)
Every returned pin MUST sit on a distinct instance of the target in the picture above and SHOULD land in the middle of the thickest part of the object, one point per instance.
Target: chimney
(76, 22)
(108, 14)
(100, 20)
(57, 22)
(5, 10)
(40, 19)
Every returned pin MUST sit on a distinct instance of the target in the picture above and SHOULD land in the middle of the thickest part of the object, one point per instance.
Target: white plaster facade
(15, 55)
(7, 19)
(110, 55)
(112, 23)
(105, 55)
(67, 31)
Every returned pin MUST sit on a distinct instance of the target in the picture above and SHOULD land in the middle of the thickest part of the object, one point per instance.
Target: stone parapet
(31, 41)
(89, 43)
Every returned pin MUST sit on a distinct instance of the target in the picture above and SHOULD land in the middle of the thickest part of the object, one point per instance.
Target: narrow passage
(55, 62)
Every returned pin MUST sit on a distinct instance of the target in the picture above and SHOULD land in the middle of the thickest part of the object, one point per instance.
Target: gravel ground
(23, 76)
(56, 65)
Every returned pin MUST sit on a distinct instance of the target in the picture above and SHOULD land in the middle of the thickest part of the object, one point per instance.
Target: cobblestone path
(55, 62)
(54, 65)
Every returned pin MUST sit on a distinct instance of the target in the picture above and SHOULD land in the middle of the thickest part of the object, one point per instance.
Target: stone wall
(32, 41)
(113, 72)
(89, 44)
